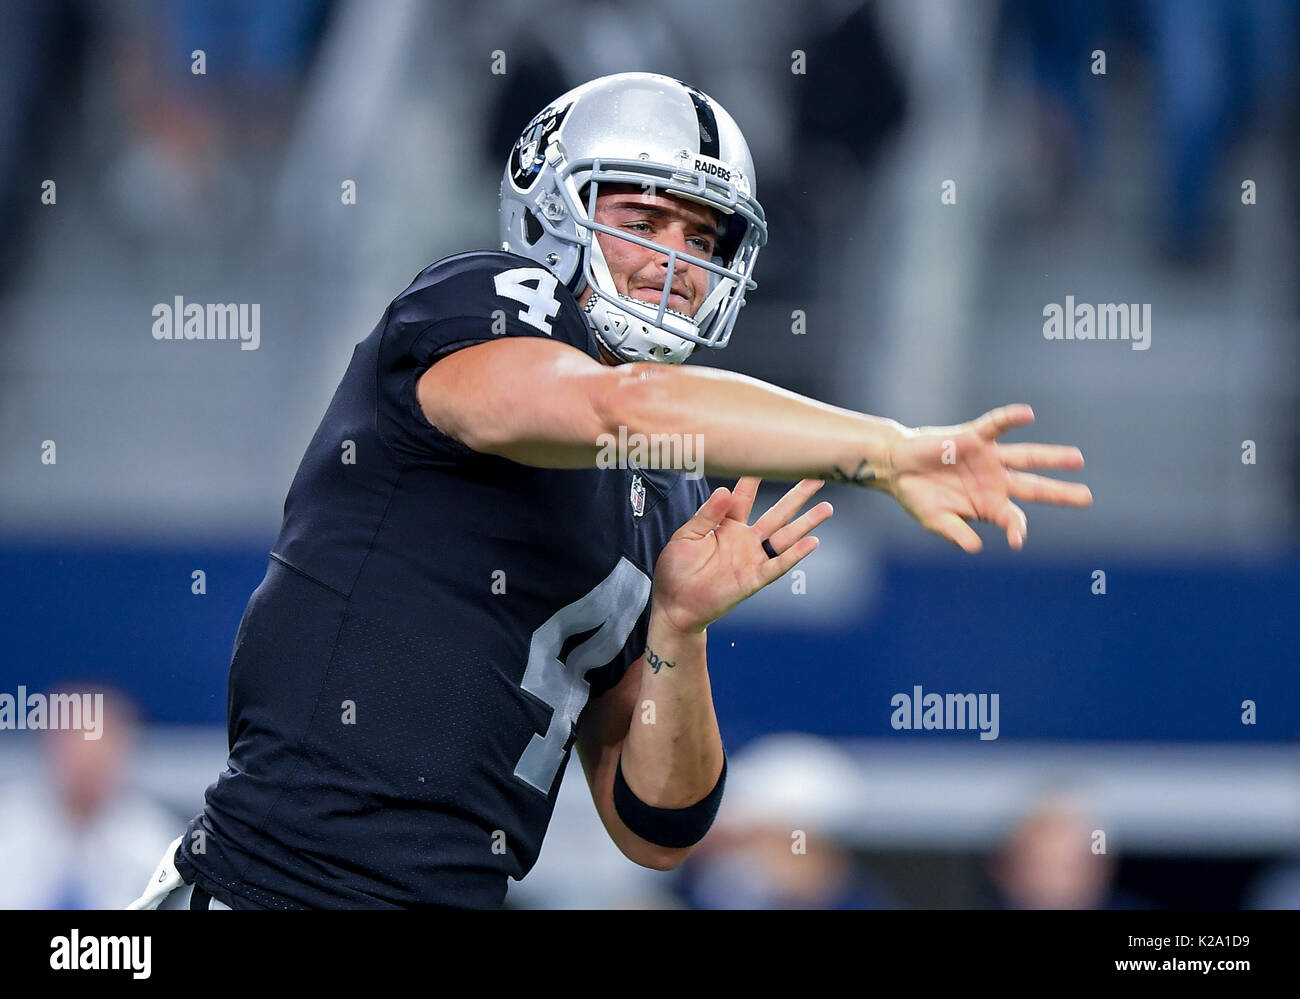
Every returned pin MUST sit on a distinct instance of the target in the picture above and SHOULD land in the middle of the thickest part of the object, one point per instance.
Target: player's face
(674, 222)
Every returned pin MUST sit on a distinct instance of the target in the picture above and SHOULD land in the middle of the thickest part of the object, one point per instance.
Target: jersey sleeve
(457, 302)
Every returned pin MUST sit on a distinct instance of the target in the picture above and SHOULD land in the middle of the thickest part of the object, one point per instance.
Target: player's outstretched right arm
(547, 404)
(543, 403)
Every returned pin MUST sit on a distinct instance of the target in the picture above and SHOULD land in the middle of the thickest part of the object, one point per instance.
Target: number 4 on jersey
(540, 301)
(614, 606)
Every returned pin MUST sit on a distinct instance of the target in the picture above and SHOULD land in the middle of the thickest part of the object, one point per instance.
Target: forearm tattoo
(655, 661)
(860, 475)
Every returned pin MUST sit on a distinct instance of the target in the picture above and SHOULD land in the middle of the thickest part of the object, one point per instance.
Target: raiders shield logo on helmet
(529, 152)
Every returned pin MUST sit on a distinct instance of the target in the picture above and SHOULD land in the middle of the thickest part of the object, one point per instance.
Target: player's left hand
(944, 476)
(716, 559)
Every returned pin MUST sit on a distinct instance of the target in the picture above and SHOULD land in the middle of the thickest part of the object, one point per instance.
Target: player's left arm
(603, 735)
(660, 719)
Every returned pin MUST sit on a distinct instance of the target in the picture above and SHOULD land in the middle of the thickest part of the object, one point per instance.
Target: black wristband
(669, 827)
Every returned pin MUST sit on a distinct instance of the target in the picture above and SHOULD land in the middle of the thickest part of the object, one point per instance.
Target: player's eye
(704, 244)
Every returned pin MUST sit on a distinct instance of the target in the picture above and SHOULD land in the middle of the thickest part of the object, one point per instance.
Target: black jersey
(407, 678)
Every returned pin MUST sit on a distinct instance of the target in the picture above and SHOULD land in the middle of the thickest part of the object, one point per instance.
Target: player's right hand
(945, 476)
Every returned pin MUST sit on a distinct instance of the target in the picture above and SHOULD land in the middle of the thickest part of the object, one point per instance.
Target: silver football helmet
(666, 138)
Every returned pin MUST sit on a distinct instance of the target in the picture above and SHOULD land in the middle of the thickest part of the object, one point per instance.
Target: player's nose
(680, 283)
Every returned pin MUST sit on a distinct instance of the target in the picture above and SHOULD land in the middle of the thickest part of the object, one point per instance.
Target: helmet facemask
(631, 328)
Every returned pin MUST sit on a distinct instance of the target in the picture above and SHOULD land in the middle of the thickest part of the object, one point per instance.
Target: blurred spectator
(209, 90)
(42, 59)
(1216, 68)
(75, 835)
(781, 837)
(1219, 64)
(845, 113)
(1047, 861)
(1059, 39)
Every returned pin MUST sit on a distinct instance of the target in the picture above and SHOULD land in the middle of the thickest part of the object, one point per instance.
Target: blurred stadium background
(1120, 713)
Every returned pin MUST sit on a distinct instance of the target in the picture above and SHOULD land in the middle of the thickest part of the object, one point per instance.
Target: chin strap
(629, 338)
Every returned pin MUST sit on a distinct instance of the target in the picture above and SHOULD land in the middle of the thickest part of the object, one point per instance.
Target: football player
(464, 588)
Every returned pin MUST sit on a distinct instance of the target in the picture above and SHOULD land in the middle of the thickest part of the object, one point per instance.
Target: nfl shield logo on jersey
(638, 496)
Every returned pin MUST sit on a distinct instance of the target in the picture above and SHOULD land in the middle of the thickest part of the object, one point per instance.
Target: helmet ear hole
(533, 230)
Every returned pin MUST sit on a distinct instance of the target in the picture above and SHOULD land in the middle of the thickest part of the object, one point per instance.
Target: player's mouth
(678, 303)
